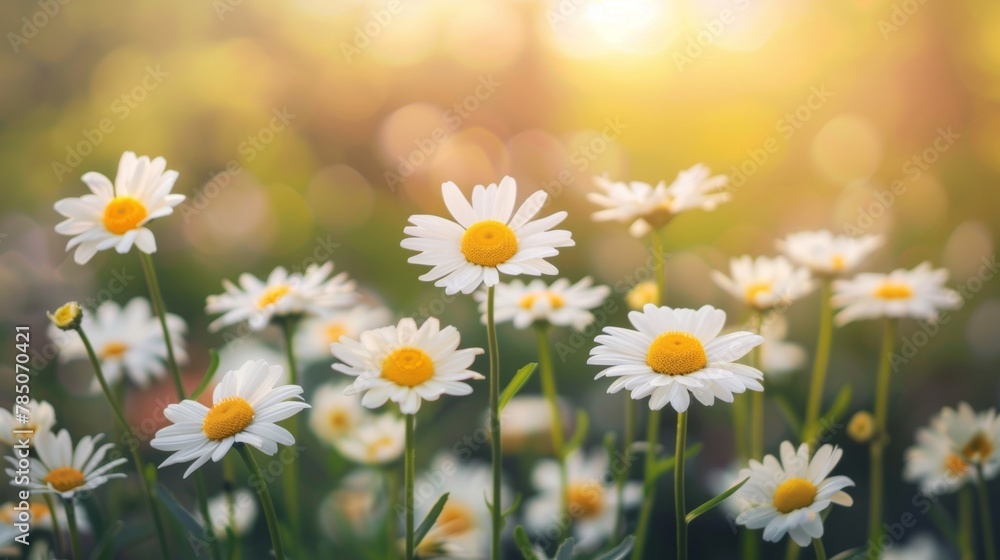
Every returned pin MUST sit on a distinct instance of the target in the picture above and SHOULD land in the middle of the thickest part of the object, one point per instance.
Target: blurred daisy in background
(241, 350)
(648, 207)
(527, 425)
(826, 254)
(64, 469)
(778, 356)
(976, 437)
(127, 340)
(591, 493)
(765, 282)
(377, 441)
(356, 509)
(919, 547)
(115, 215)
(41, 419)
(487, 237)
(406, 364)
(237, 509)
(917, 293)
(335, 415)
(463, 528)
(315, 335)
(257, 301)
(720, 480)
(562, 304)
(676, 353)
(246, 406)
(790, 496)
(642, 294)
(935, 462)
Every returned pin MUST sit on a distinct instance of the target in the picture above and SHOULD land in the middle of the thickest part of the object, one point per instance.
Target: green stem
(161, 312)
(132, 445)
(757, 402)
(409, 478)
(265, 500)
(290, 473)
(622, 476)
(229, 477)
(199, 485)
(392, 494)
(56, 529)
(740, 423)
(820, 550)
(984, 515)
(74, 533)
(875, 529)
(680, 507)
(820, 364)
(496, 512)
(649, 484)
(551, 395)
(965, 523)
(792, 550)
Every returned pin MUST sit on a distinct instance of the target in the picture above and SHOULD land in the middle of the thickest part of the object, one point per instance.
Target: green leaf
(945, 524)
(213, 364)
(565, 551)
(619, 552)
(715, 501)
(840, 404)
(664, 466)
(788, 411)
(579, 434)
(520, 378)
(107, 539)
(524, 543)
(517, 503)
(182, 516)
(430, 520)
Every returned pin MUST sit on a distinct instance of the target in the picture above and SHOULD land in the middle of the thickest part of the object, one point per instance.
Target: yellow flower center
(408, 366)
(837, 263)
(64, 479)
(37, 511)
(122, 214)
(489, 243)
(793, 494)
(755, 289)
(676, 353)
(585, 499)
(641, 294)
(65, 315)
(893, 290)
(227, 418)
(334, 332)
(455, 519)
(113, 350)
(340, 421)
(375, 447)
(954, 464)
(272, 295)
(555, 300)
(978, 449)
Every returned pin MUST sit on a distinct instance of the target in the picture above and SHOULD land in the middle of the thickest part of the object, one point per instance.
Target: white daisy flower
(41, 418)
(257, 301)
(778, 356)
(237, 510)
(115, 215)
(378, 441)
(920, 547)
(562, 304)
(405, 364)
(127, 340)
(356, 509)
(674, 353)
(975, 436)
(527, 424)
(335, 415)
(41, 517)
(241, 350)
(463, 528)
(488, 238)
(917, 293)
(935, 463)
(790, 496)
(827, 254)
(649, 207)
(315, 335)
(246, 407)
(592, 497)
(64, 470)
(765, 282)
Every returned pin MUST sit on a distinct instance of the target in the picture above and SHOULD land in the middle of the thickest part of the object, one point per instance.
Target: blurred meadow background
(310, 130)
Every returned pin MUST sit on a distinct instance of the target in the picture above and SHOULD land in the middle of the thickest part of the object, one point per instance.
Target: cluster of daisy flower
(583, 499)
